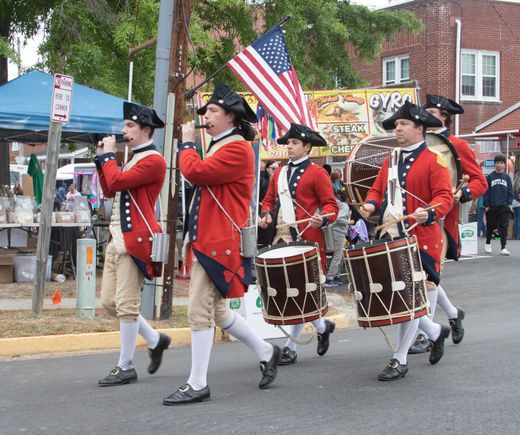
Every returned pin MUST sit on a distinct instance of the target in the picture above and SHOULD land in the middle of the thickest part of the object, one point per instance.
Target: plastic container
(25, 268)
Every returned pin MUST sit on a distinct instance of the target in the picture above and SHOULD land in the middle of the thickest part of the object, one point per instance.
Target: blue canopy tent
(25, 104)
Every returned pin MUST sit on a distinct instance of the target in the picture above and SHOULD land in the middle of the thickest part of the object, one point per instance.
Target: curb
(48, 344)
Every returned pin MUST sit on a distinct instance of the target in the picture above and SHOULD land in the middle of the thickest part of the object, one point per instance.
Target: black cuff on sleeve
(104, 158)
(465, 195)
(374, 203)
(325, 222)
(432, 217)
(187, 145)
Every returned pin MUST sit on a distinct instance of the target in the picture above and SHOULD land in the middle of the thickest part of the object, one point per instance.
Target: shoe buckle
(393, 365)
(184, 388)
(115, 372)
(262, 367)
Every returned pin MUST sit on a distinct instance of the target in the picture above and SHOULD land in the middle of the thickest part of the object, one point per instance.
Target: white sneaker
(505, 252)
(487, 248)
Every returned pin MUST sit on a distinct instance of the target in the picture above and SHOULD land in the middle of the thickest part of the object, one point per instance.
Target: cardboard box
(64, 217)
(6, 269)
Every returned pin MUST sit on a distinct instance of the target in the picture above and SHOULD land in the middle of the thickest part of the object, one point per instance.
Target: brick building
(489, 62)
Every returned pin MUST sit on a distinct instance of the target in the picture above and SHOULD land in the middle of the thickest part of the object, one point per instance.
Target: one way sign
(61, 98)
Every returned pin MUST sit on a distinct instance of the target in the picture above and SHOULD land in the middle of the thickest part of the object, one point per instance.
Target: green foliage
(90, 39)
(7, 51)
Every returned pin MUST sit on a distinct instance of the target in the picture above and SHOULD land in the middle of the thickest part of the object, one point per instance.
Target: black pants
(498, 218)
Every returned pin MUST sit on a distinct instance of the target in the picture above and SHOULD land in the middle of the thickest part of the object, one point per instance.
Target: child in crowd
(339, 230)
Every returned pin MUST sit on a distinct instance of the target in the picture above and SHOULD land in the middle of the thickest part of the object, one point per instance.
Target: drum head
(364, 163)
(284, 250)
(441, 144)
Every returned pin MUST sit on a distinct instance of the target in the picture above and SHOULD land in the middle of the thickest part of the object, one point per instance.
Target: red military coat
(144, 181)
(476, 186)
(228, 171)
(424, 174)
(311, 188)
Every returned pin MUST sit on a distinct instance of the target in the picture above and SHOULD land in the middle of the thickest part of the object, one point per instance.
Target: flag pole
(191, 92)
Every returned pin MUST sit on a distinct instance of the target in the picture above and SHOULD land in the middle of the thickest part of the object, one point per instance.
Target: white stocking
(201, 344)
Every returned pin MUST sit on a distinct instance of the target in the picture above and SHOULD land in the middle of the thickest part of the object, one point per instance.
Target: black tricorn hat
(443, 103)
(305, 134)
(230, 101)
(413, 112)
(143, 115)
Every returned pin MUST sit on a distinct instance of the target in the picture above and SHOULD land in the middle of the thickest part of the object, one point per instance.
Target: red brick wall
(492, 26)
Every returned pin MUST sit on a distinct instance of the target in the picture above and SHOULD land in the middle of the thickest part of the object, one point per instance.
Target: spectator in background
(497, 201)
(335, 178)
(328, 168)
(17, 189)
(71, 194)
(265, 235)
(265, 177)
(59, 198)
(339, 230)
(516, 206)
(481, 217)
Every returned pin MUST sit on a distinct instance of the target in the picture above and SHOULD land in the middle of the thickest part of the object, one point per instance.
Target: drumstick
(359, 198)
(301, 221)
(403, 218)
(465, 179)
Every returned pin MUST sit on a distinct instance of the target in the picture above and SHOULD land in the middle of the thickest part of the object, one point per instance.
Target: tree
(21, 16)
(90, 39)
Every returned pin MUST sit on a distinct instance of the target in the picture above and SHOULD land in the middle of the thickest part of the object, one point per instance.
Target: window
(396, 69)
(489, 146)
(480, 75)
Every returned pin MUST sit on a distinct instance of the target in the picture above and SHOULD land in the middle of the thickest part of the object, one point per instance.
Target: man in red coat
(420, 178)
(135, 189)
(443, 109)
(298, 191)
(221, 204)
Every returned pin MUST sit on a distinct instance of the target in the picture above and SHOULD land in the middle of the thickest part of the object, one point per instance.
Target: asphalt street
(473, 390)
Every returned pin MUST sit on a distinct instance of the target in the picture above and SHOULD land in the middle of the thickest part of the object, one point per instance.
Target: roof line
(498, 116)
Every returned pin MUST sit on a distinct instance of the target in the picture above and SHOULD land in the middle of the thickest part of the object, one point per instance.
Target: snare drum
(291, 281)
(388, 281)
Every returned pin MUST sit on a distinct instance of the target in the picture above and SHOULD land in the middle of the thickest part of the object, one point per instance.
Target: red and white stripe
(280, 95)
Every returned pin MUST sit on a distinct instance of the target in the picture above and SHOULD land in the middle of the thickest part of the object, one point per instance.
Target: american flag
(265, 69)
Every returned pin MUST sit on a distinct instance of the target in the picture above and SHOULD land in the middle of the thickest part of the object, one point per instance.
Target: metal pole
(44, 233)
(152, 290)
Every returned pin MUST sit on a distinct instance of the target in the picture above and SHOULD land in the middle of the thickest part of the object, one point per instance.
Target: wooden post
(177, 83)
(44, 232)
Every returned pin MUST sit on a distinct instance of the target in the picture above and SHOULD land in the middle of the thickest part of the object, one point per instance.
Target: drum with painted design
(290, 280)
(388, 281)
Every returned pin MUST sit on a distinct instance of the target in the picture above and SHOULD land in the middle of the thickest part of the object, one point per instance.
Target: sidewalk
(48, 344)
(26, 304)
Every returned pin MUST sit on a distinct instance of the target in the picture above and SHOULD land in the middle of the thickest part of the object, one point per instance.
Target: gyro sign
(61, 98)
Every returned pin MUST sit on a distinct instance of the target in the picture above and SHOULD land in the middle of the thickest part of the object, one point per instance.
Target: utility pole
(176, 85)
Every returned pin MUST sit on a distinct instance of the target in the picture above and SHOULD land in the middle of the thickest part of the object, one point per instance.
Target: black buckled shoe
(269, 368)
(323, 339)
(287, 357)
(118, 376)
(393, 371)
(457, 330)
(186, 394)
(157, 353)
(437, 349)
(421, 345)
